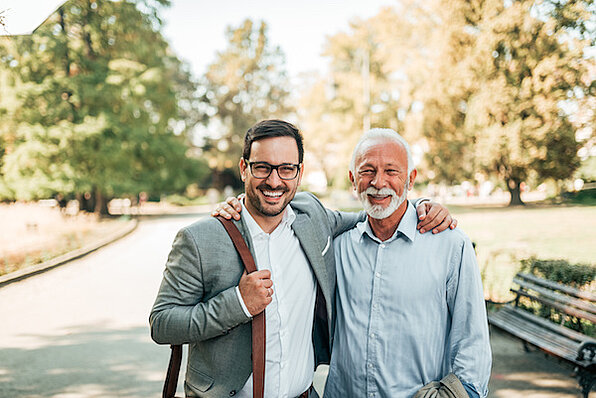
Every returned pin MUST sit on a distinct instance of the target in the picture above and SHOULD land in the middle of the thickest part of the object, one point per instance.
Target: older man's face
(381, 177)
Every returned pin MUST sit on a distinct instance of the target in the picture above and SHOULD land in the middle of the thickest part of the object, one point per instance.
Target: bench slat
(582, 294)
(565, 308)
(565, 331)
(545, 340)
(574, 302)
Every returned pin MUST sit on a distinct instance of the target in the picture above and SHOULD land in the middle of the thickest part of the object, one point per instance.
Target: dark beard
(256, 203)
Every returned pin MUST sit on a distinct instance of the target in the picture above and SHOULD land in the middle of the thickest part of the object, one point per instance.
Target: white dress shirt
(289, 353)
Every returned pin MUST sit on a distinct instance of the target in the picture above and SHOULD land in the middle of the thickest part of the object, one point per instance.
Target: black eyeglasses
(262, 170)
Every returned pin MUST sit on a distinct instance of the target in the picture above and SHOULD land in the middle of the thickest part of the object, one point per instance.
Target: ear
(413, 175)
(352, 180)
(242, 166)
(300, 173)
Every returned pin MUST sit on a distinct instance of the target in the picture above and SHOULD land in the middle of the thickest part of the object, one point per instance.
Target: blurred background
(113, 110)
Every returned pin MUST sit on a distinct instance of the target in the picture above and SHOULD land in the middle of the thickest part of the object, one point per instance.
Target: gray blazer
(197, 303)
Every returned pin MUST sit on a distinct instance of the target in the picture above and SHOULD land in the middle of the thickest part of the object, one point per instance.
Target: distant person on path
(207, 301)
(410, 307)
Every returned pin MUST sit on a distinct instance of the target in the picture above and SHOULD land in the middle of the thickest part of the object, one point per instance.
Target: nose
(378, 181)
(273, 179)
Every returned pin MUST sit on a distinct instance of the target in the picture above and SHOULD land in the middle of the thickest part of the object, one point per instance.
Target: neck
(384, 228)
(267, 223)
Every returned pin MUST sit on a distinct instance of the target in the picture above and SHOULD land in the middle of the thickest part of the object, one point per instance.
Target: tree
(103, 105)
(501, 84)
(531, 72)
(246, 83)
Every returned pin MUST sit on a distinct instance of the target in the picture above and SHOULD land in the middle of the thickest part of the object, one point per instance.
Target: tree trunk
(514, 188)
(101, 203)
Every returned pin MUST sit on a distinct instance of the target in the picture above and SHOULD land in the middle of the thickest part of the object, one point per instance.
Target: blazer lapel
(311, 244)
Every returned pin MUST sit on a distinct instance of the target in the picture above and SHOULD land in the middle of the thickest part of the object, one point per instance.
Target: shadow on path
(517, 373)
(90, 362)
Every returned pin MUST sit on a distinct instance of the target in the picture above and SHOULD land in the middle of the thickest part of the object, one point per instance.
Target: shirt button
(370, 365)
(382, 245)
(378, 274)
(372, 335)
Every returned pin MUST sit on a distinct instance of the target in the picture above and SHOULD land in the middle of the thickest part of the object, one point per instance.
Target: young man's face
(269, 196)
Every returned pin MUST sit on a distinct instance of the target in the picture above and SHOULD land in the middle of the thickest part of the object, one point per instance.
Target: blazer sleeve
(180, 314)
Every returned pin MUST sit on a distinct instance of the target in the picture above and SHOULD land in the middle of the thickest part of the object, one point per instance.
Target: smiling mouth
(272, 194)
(378, 197)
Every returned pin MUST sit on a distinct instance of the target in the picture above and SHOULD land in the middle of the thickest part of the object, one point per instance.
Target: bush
(583, 197)
(580, 276)
(561, 271)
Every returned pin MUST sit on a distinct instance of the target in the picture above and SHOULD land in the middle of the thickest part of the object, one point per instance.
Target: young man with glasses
(207, 301)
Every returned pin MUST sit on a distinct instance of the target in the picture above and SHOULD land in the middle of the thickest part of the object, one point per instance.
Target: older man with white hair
(411, 319)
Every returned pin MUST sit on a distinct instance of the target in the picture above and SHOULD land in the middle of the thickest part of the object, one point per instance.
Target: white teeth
(272, 194)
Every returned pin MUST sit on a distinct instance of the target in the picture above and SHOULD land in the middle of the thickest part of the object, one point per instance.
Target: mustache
(267, 187)
(381, 192)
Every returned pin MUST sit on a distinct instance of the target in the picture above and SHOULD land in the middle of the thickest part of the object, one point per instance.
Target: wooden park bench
(553, 338)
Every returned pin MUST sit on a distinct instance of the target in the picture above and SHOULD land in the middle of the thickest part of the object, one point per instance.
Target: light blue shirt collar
(406, 227)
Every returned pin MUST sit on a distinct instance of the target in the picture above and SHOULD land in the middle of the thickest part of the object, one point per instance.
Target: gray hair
(381, 135)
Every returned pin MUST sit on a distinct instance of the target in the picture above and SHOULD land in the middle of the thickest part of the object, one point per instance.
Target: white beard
(378, 211)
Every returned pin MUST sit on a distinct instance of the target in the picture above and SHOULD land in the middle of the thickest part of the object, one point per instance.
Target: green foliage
(98, 103)
(560, 271)
(580, 276)
(246, 83)
(584, 197)
(484, 86)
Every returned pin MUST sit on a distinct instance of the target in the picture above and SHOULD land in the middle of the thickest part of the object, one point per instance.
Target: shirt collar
(406, 227)
(255, 230)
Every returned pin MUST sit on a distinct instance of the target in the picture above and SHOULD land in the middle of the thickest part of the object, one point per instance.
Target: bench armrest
(499, 302)
(587, 351)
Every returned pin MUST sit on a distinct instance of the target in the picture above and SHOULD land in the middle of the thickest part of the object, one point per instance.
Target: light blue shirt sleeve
(469, 332)
(470, 390)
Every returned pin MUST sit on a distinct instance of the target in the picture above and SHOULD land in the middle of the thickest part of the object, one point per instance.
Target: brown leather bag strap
(169, 387)
(258, 328)
(258, 321)
(239, 244)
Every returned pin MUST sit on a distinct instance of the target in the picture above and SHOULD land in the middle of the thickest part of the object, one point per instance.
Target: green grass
(503, 236)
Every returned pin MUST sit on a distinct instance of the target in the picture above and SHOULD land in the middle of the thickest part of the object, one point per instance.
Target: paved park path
(81, 330)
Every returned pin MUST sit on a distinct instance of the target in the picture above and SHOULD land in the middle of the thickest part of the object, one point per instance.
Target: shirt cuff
(248, 314)
(470, 390)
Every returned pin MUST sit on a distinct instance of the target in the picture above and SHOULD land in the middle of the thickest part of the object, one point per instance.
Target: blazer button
(232, 393)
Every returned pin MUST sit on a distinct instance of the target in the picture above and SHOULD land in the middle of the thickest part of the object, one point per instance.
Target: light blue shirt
(410, 310)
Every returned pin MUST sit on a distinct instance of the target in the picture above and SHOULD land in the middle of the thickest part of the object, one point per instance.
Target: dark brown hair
(272, 128)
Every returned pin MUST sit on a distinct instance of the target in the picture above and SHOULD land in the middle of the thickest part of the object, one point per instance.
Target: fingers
(227, 210)
(219, 211)
(235, 202)
(262, 274)
(432, 210)
(421, 210)
(267, 283)
(256, 290)
(443, 225)
(453, 224)
(437, 219)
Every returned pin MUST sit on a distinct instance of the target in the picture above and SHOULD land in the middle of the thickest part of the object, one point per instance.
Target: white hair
(381, 135)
